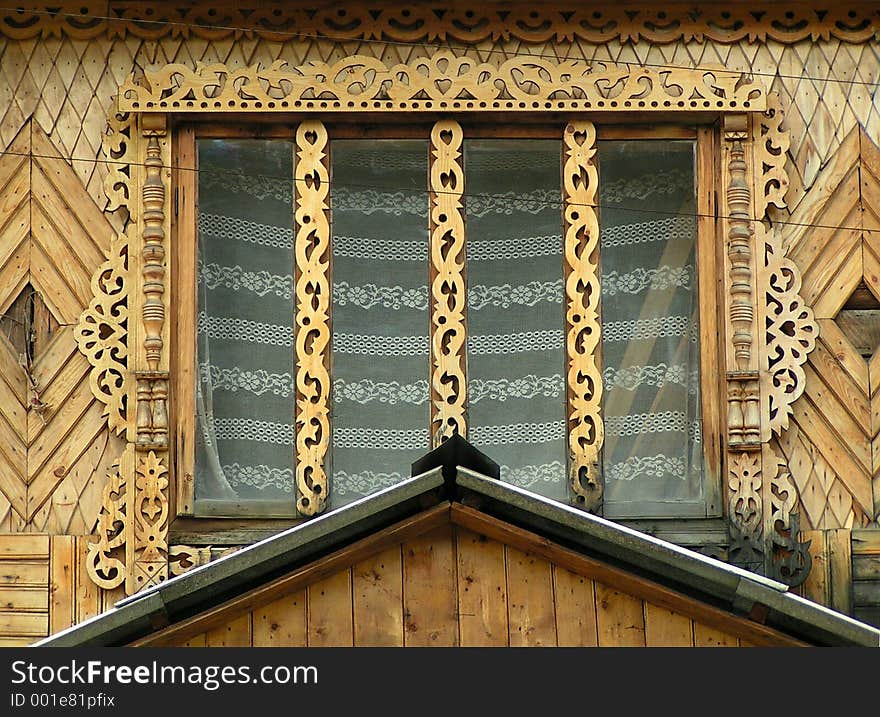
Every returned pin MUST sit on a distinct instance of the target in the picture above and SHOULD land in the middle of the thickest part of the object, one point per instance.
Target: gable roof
(479, 501)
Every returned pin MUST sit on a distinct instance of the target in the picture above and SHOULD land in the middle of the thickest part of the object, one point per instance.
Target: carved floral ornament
(125, 336)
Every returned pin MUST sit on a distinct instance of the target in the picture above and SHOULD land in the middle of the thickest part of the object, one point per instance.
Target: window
(656, 263)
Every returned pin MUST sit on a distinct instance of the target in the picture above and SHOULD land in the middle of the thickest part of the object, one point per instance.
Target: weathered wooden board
(377, 590)
(330, 614)
(482, 591)
(575, 598)
(530, 604)
(430, 598)
(620, 618)
(281, 623)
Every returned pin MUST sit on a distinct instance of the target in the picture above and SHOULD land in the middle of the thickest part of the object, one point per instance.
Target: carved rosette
(448, 293)
(442, 81)
(312, 249)
(581, 244)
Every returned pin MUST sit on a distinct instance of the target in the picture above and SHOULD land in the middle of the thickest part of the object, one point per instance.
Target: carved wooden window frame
(125, 332)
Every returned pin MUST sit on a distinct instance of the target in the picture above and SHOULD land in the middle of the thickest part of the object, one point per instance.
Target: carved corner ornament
(770, 332)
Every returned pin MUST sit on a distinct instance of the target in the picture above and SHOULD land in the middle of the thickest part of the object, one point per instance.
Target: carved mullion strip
(312, 313)
(448, 291)
(581, 245)
(109, 555)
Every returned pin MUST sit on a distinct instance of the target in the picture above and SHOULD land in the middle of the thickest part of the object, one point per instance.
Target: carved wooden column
(448, 292)
(312, 287)
(581, 245)
(744, 465)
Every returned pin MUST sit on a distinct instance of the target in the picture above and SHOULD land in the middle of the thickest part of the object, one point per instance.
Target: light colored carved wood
(583, 339)
(722, 23)
(448, 292)
(147, 546)
(108, 558)
(312, 313)
(442, 81)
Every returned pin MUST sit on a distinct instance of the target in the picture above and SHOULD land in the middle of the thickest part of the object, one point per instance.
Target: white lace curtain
(652, 459)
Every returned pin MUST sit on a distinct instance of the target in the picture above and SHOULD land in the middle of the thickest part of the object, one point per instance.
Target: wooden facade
(95, 477)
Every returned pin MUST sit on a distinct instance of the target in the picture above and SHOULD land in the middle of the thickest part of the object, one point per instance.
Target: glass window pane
(245, 392)
(516, 314)
(653, 460)
(380, 410)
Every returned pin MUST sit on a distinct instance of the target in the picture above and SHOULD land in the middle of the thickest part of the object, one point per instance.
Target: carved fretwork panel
(581, 245)
(448, 293)
(312, 250)
(437, 22)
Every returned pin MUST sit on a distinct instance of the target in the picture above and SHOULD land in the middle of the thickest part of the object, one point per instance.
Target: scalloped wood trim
(532, 23)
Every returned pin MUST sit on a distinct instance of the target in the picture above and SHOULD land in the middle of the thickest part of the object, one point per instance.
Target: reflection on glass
(380, 409)
(652, 459)
(245, 393)
(516, 361)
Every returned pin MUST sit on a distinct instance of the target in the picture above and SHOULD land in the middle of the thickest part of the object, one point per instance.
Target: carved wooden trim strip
(743, 397)
(312, 313)
(149, 556)
(440, 82)
(791, 22)
(791, 327)
(448, 292)
(581, 244)
(107, 557)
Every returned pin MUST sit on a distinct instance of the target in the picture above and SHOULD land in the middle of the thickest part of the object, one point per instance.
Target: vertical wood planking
(816, 587)
(620, 618)
(281, 623)
(183, 402)
(575, 598)
(62, 582)
(200, 640)
(482, 591)
(330, 613)
(705, 636)
(235, 633)
(377, 588)
(665, 628)
(88, 595)
(531, 607)
(430, 604)
(839, 545)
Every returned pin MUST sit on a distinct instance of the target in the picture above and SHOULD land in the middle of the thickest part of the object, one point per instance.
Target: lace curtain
(380, 400)
(652, 460)
(244, 396)
(516, 315)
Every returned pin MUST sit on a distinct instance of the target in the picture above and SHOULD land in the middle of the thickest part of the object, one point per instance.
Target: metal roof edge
(209, 584)
(739, 589)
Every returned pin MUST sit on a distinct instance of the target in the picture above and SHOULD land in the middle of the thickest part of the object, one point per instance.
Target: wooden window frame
(249, 517)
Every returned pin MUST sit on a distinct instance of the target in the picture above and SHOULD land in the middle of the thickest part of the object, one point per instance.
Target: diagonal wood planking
(834, 448)
(52, 236)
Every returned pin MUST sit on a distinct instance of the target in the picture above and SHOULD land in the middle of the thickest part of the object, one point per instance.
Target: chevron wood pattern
(52, 438)
(834, 449)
